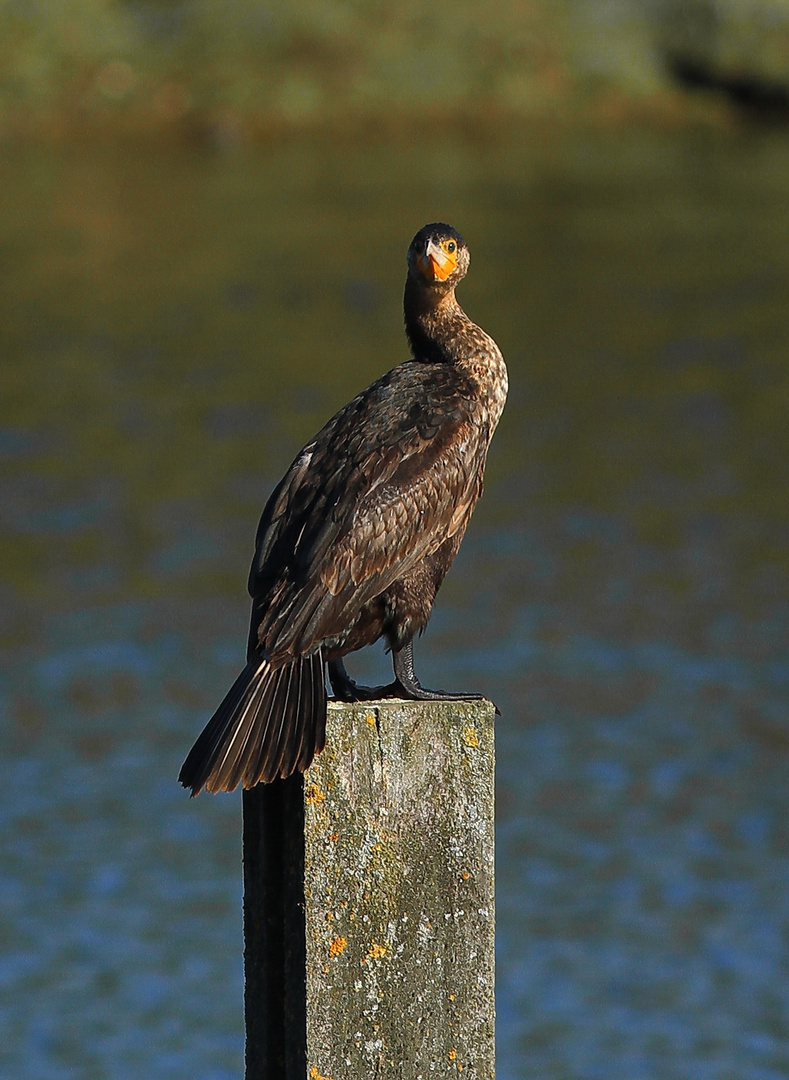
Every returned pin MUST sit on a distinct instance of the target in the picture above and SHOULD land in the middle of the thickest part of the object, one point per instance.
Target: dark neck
(434, 322)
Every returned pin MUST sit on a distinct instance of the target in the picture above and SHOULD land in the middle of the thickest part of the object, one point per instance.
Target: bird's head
(438, 257)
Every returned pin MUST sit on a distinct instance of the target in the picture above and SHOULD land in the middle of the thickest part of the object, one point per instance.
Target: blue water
(622, 592)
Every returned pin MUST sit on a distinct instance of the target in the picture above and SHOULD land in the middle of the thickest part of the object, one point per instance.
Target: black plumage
(356, 539)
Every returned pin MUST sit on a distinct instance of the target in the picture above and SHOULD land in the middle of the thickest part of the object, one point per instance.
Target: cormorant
(356, 539)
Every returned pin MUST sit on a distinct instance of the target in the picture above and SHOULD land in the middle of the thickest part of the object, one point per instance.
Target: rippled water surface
(174, 326)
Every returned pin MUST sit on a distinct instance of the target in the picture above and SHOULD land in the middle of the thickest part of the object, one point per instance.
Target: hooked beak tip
(435, 264)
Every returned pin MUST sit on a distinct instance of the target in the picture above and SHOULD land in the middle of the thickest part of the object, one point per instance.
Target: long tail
(272, 722)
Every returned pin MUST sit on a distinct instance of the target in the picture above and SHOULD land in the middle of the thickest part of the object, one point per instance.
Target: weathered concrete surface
(398, 888)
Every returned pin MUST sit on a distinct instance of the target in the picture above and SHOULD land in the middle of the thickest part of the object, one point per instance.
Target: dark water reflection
(173, 328)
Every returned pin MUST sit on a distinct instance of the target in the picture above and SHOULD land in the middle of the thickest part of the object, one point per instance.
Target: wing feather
(383, 485)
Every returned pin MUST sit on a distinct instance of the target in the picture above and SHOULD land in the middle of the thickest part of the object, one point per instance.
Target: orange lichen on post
(337, 946)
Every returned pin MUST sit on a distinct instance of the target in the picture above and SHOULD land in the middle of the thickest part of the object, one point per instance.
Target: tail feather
(287, 725)
(271, 722)
(243, 746)
(308, 738)
(254, 762)
(215, 742)
(263, 762)
(295, 701)
(318, 712)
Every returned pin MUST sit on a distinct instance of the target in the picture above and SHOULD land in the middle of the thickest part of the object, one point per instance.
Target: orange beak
(435, 264)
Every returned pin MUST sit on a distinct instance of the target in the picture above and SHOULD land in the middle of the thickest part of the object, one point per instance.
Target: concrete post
(369, 907)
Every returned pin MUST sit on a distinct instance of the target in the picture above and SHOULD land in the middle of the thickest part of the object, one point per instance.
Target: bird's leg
(345, 689)
(410, 687)
(406, 684)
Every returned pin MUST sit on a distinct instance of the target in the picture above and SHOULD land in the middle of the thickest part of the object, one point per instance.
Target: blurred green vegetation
(241, 68)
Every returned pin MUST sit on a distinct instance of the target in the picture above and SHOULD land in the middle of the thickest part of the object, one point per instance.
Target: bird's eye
(451, 246)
